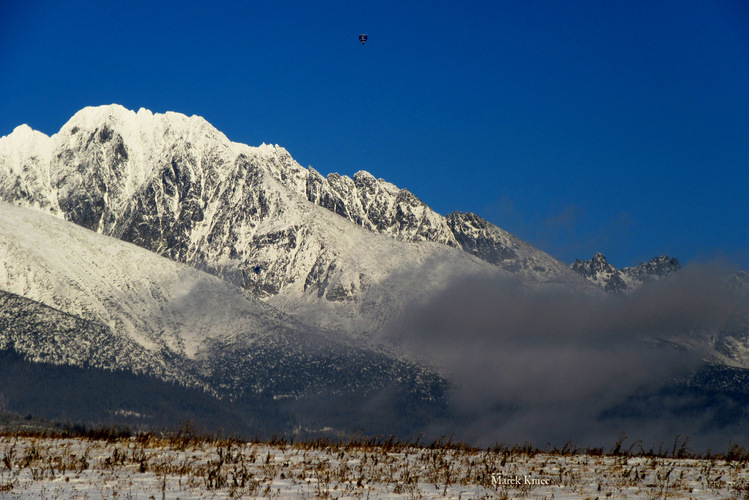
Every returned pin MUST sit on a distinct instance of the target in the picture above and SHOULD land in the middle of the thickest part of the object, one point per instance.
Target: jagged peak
(24, 132)
(24, 129)
(315, 172)
(597, 264)
(25, 141)
(271, 148)
(93, 116)
(271, 152)
(666, 259)
(363, 175)
(366, 179)
(598, 259)
(469, 216)
(128, 122)
(655, 268)
(600, 272)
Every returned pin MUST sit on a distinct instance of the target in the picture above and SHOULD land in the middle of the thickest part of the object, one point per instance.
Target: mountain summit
(599, 272)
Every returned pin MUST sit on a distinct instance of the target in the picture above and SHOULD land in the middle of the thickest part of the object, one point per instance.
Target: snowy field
(180, 467)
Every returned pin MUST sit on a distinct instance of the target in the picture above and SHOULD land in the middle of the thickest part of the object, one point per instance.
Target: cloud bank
(545, 366)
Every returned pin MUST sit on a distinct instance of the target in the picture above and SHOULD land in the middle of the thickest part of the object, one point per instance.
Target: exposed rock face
(492, 244)
(602, 274)
(480, 238)
(599, 272)
(379, 206)
(656, 268)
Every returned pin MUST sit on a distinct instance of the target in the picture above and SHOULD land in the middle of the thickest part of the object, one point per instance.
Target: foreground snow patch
(179, 467)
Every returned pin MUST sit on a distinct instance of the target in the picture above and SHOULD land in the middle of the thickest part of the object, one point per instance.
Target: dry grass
(187, 465)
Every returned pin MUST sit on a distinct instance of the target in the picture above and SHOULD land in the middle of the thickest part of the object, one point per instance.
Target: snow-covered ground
(179, 467)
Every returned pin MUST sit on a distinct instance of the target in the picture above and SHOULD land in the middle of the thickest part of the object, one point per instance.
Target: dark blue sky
(619, 126)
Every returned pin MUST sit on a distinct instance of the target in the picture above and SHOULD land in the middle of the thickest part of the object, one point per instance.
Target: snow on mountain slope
(156, 302)
(25, 160)
(140, 312)
(256, 218)
(44, 334)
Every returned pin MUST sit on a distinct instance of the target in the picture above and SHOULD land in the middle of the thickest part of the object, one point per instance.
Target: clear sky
(619, 126)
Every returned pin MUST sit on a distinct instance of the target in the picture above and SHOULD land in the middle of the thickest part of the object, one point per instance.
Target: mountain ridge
(254, 217)
(371, 203)
(627, 279)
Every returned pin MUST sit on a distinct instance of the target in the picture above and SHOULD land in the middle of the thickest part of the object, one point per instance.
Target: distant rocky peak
(595, 265)
(657, 267)
(364, 178)
(599, 261)
(599, 272)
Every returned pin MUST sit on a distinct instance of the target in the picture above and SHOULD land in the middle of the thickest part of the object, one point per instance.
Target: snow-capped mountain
(152, 244)
(256, 218)
(602, 274)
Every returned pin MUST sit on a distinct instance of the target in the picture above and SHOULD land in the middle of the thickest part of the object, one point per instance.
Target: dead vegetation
(111, 464)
